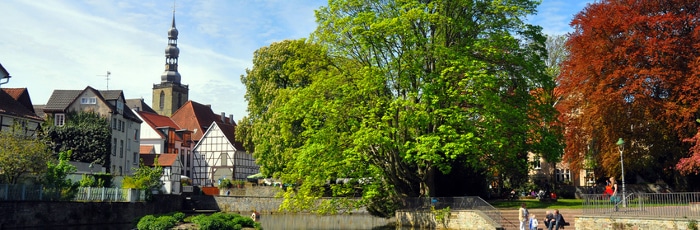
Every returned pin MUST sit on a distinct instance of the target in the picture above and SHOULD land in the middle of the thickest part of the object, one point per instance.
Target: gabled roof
(112, 94)
(12, 107)
(230, 133)
(21, 95)
(199, 118)
(147, 149)
(194, 116)
(39, 110)
(61, 99)
(156, 121)
(139, 105)
(164, 160)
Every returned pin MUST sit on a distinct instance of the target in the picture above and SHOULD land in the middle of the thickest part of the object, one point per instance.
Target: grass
(536, 204)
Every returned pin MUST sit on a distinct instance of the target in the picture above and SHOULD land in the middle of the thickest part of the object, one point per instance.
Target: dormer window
(59, 119)
(88, 100)
(120, 107)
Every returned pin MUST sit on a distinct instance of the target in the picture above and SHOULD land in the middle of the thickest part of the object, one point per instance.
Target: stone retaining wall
(621, 223)
(460, 219)
(24, 214)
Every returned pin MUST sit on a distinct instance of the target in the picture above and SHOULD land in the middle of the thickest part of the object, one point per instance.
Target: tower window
(162, 100)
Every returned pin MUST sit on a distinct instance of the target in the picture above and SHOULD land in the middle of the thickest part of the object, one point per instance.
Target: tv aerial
(106, 77)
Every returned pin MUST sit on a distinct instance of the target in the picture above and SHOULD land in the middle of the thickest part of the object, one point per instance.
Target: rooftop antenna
(106, 77)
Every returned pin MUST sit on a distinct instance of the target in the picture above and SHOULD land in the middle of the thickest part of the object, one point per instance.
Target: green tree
(401, 89)
(21, 155)
(87, 134)
(55, 180)
(145, 177)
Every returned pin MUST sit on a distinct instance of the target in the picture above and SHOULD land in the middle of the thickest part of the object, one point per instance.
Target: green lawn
(536, 204)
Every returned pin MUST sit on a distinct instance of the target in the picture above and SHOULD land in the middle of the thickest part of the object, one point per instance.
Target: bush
(221, 221)
(179, 216)
(151, 222)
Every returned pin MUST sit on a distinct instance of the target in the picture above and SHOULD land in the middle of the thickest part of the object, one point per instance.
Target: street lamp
(621, 146)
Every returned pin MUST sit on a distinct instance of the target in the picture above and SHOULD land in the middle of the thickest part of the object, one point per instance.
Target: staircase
(511, 218)
(200, 204)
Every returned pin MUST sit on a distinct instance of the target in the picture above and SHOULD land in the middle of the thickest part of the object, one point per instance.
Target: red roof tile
(147, 149)
(195, 116)
(156, 121)
(164, 160)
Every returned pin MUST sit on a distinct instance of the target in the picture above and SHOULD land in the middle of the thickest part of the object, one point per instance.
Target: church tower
(169, 95)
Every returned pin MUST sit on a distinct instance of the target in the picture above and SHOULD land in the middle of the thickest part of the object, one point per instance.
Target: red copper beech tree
(633, 73)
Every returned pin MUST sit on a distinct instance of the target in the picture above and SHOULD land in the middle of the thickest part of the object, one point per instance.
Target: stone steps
(511, 217)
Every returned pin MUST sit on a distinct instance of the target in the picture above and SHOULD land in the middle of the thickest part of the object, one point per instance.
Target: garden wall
(40, 214)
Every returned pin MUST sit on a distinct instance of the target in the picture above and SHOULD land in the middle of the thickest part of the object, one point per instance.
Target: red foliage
(633, 72)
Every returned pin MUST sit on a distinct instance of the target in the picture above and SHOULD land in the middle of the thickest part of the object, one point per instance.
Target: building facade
(166, 137)
(110, 104)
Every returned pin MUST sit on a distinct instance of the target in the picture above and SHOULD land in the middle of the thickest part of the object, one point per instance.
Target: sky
(72, 44)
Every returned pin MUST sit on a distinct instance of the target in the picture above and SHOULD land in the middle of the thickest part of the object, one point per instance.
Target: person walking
(523, 216)
(614, 198)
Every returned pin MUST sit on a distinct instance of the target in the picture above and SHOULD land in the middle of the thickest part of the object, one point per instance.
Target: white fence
(21, 192)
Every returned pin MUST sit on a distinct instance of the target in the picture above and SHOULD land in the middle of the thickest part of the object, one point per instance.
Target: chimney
(230, 118)
(223, 117)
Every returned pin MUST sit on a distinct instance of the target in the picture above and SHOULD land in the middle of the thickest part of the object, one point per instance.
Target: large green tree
(86, 134)
(396, 91)
(21, 155)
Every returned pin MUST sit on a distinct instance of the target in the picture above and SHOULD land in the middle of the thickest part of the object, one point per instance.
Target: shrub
(219, 221)
(179, 216)
(150, 222)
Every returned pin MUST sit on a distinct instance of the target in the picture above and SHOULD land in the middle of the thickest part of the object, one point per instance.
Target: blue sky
(71, 44)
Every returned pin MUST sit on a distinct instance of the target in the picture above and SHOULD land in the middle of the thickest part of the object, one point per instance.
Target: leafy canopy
(388, 93)
(633, 74)
(21, 155)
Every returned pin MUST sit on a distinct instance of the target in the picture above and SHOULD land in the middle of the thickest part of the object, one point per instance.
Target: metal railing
(23, 192)
(677, 205)
(455, 203)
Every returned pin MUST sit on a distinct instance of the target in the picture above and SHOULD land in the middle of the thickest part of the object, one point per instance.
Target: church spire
(171, 55)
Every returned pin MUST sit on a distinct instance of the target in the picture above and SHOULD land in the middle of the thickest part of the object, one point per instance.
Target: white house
(218, 156)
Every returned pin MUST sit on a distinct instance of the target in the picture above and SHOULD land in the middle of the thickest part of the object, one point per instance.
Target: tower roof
(172, 33)
(171, 57)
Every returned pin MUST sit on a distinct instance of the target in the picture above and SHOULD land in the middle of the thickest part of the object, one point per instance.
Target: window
(136, 134)
(119, 124)
(114, 147)
(563, 175)
(121, 148)
(88, 100)
(537, 163)
(162, 100)
(114, 123)
(59, 119)
(136, 158)
(120, 170)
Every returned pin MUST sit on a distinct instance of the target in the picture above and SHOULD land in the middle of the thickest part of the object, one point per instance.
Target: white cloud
(66, 44)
